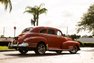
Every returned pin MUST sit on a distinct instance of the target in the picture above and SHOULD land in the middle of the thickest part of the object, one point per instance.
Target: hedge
(4, 43)
(86, 44)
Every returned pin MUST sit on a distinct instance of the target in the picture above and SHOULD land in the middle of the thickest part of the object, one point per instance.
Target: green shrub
(4, 43)
(86, 44)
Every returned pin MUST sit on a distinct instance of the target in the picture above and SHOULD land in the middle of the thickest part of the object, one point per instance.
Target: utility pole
(67, 30)
(3, 31)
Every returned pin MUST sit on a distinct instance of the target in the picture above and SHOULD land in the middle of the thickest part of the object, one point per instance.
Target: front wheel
(74, 50)
(40, 49)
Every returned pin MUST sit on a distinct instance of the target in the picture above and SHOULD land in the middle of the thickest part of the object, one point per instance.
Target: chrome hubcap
(74, 50)
(41, 49)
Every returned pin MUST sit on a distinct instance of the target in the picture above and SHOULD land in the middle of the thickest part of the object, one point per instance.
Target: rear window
(27, 29)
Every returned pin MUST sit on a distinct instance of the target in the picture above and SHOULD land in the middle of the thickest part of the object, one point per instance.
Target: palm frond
(10, 5)
(43, 10)
(7, 3)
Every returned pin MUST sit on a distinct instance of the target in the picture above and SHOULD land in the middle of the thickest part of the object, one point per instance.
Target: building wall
(86, 39)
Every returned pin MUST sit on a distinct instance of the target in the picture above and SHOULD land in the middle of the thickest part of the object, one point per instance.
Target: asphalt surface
(85, 55)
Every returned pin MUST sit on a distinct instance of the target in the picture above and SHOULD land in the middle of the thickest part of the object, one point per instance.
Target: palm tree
(36, 11)
(7, 3)
(39, 11)
(32, 10)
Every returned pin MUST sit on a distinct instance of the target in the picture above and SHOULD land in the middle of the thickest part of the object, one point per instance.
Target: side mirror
(63, 35)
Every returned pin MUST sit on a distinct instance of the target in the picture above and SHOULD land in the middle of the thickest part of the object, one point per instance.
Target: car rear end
(18, 42)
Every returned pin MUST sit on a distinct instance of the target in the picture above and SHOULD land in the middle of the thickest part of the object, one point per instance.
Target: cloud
(61, 13)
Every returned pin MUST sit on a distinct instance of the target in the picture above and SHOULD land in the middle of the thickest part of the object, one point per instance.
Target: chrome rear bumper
(11, 45)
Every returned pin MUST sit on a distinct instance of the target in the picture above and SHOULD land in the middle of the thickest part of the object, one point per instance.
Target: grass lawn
(4, 48)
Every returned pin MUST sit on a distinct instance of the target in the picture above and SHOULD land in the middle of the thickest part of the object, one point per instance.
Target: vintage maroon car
(42, 39)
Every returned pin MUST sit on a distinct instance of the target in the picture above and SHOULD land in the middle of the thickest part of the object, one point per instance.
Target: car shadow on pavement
(35, 55)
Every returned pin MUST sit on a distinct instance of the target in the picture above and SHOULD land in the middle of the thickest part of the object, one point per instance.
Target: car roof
(40, 27)
(37, 28)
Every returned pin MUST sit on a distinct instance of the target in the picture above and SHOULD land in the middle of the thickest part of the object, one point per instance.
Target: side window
(51, 31)
(59, 33)
(43, 31)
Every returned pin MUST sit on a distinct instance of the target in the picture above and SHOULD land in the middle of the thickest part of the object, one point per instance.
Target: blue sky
(61, 14)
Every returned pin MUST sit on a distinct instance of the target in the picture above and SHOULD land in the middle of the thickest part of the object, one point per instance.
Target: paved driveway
(86, 55)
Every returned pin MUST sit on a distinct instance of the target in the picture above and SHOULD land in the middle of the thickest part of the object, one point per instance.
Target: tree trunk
(37, 23)
(32, 22)
(34, 19)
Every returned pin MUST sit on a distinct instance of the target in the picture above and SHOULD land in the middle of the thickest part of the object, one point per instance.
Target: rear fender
(33, 41)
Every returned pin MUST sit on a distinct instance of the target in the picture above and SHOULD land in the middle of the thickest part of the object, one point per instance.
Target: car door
(51, 38)
(54, 39)
(48, 34)
(58, 42)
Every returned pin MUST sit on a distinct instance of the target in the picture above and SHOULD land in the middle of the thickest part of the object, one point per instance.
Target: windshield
(27, 29)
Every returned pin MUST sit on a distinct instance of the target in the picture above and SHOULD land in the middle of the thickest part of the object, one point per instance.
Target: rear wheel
(23, 50)
(74, 50)
(41, 49)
